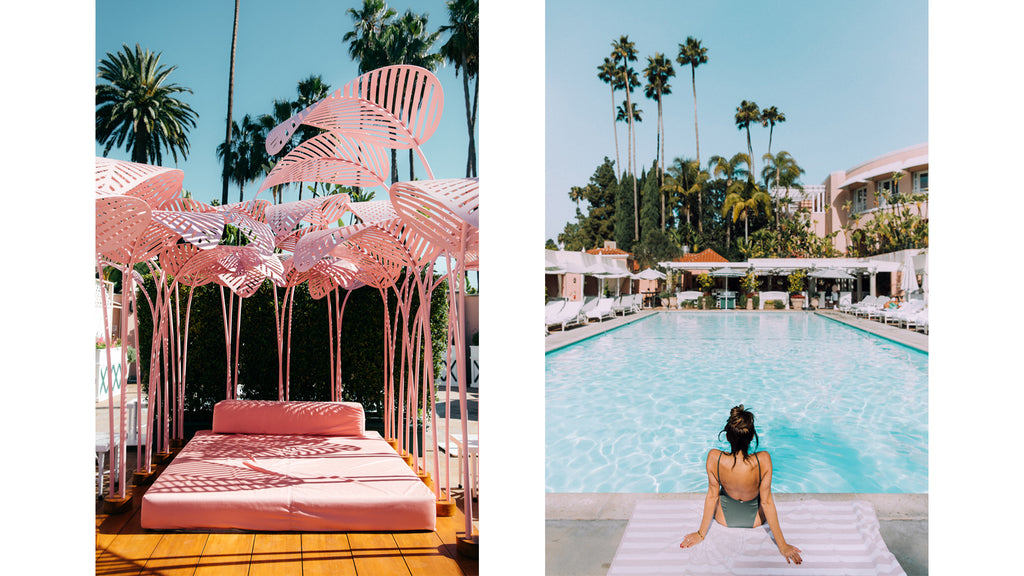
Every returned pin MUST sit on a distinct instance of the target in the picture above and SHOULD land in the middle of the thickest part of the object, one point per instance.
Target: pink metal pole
(330, 346)
(238, 341)
(141, 460)
(341, 316)
(184, 357)
(288, 370)
(110, 375)
(227, 342)
(280, 346)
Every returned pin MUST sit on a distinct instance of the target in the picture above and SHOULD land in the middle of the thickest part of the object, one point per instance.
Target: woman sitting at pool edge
(740, 493)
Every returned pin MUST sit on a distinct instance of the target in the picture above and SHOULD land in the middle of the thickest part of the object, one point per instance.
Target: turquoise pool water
(638, 408)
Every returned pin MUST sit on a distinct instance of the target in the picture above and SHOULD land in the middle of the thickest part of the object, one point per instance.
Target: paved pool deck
(582, 531)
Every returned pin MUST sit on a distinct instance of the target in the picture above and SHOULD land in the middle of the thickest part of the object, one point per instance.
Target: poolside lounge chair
(568, 316)
(868, 306)
(918, 321)
(589, 303)
(849, 307)
(602, 310)
(899, 315)
(552, 308)
(627, 304)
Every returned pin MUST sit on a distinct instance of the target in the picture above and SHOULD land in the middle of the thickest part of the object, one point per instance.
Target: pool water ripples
(637, 409)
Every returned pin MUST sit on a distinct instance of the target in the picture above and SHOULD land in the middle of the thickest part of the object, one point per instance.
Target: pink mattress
(288, 483)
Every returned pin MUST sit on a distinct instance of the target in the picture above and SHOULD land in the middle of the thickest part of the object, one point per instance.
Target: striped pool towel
(834, 538)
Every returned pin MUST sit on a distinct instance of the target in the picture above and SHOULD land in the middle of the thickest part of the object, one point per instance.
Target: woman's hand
(792, 553)
(691, 539)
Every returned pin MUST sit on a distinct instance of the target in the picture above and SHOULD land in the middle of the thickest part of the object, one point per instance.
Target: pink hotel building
(865, 187)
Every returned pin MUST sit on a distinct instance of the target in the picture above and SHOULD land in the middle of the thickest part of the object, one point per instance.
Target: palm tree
(624, 52)
(731, 170)
(742, 199)
(139, 108)
(786, 172)
(577, 193)
(309, 91)
(462, 49)
(231, 96)
(694, 54)
(282, 111)
(685, 180)
(244, 159)
(621, 116)
(746, 113)
(770, 117)
(658, 71)
(407, 41)
(608, 73)
(365, 40)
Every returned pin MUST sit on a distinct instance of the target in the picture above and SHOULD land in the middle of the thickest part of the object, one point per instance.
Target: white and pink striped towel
(834, 537)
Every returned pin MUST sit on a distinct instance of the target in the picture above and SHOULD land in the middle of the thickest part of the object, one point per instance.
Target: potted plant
(797, 281)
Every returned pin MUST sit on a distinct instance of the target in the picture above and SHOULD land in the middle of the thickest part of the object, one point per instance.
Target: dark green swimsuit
(738, 513)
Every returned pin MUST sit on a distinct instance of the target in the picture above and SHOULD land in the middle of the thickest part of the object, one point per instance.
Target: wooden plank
(276, 554)
(426, 554)
(122, 546)
(327, 554)
(177, 554)
(376, 553)
(226, 555)
(449, 530)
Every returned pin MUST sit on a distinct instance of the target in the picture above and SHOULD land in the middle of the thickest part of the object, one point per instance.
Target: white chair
(602, 310)
(568, 316)
(468, 451)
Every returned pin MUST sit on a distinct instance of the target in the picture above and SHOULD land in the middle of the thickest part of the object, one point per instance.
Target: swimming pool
(637, 409)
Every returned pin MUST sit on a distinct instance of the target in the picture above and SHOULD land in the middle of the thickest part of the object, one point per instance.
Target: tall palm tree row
(231, 96)
(624, 52)
(463, 50)
(658, 71)
(622, 116)
(139, 109)
(607, 72)
(694, 54)
(748, 113)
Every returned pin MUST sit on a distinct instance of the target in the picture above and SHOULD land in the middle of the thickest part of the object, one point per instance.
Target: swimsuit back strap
(719, 469)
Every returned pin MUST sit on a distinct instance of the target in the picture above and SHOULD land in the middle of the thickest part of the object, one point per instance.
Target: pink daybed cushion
(286, 483)
(271, 417)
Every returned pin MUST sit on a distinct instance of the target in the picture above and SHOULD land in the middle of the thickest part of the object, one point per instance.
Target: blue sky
(275, 50)
(851, 78)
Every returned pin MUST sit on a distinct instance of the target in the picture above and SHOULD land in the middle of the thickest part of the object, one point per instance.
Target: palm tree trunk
(231, 95)
(412, 173)
(632, 165)
(615, 130)
(693, 79)
(750, 153)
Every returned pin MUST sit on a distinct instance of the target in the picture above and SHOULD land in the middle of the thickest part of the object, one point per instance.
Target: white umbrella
(924, 279)
(650, 274)
(831, 273)
(909, 282)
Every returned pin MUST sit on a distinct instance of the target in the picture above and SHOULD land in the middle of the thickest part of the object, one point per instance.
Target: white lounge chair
(569, 315)
(552, 308)
(849, 307)
(589, 303)
(900, 315)
(602, 310)
(627, 304)
(919, 321)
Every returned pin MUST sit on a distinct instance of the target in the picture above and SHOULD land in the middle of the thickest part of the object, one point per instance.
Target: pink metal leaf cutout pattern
(259, 235)
(396, 106)
(154, 184)
(335, 158)
(201, 268)
(319, 212)
(188, 205)
(291, 276)
(373, 211)
(316, 244)
(246, 269)
(326, 275)
(120, 222)
(153, 241)
(438, 208)
(203, 229)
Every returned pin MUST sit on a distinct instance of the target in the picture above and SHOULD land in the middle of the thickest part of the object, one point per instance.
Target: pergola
(142, 218)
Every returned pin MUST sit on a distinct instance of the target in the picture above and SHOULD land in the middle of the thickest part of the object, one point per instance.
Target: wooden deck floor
(124, 547)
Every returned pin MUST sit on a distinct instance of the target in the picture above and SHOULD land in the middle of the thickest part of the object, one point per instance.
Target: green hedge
(362, 349)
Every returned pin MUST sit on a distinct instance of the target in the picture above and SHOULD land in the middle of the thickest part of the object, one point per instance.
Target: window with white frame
(860, 199)
(920, 182)
(885, 189)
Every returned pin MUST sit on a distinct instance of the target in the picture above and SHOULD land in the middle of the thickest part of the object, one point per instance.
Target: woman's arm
(791, 553)
(710, 504)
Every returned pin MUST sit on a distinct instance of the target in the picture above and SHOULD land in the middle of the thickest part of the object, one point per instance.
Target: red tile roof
(607, 251)
(708, 255)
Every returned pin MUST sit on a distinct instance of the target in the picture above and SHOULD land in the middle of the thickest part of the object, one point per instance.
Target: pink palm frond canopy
(154, 184)
(395, 106)
(334, 158)
(120, 222)
(438, 208)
